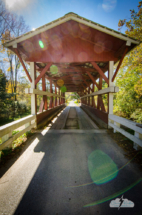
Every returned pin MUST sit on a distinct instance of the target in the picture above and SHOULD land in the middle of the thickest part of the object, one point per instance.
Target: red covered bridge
(84, 53)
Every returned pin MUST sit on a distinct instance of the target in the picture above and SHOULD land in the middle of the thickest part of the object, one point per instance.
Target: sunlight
(11, 3)
(17, 4)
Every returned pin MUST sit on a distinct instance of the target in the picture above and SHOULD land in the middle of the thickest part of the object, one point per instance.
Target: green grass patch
(16, 145)
(14, 132)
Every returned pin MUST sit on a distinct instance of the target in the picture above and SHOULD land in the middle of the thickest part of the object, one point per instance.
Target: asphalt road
(71, 171)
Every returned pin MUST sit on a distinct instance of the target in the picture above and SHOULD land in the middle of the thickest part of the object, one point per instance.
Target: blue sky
(106, 12)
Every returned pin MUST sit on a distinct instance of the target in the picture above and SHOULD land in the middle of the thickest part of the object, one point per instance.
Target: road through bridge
(71, 167)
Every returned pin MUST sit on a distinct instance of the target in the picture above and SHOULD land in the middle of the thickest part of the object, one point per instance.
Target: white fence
(6, 131)
(115, 122)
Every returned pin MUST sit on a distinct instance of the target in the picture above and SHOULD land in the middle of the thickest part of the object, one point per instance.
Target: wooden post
(59, 97)
(98, 98)
(64, 98)
(93, 97)
(43, 104)
(44, 89)
(86, 97)
(110, 95)
(55, 97)
(89, 96)
(51, 98)
(33, 96)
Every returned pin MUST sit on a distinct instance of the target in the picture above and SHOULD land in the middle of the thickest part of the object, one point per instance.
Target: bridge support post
(86, 97)
(51, 98)
(44, 89)
(89, 96)
(110, 95)
(55, 97)
(33, 86)
(33, 96)
(111, 84)
(59, 97)
(93, 96)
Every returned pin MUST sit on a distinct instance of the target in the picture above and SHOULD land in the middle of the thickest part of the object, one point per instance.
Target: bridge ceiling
(74, 74)
(72, 46)
(71, 42)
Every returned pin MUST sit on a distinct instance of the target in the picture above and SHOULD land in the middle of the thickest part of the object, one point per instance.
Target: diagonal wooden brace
(93, 79)
(120, 62)
(100, 72)
(43, 72)
(88, 84)
(19, 56)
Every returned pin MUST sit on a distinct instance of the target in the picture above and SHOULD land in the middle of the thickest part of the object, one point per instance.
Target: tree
(128, 101)
(19, 28)
(7, 20)
(133, 61)
(5, 98)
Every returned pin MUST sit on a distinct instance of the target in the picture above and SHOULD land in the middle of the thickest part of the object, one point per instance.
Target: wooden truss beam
(100, 72)
(19, 56)
(93, 79)
(43, 72)
(120, 62)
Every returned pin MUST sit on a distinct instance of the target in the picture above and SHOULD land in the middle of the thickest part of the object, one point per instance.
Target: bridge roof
(72, 43)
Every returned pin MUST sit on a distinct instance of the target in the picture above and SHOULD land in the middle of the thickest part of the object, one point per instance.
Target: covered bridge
(72, 168)
(84, 53)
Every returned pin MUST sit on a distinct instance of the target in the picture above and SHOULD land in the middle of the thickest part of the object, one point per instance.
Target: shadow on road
(62, 183)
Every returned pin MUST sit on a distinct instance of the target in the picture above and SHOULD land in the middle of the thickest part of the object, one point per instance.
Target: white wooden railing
(103, 91)
(6, 130)
(115, 122)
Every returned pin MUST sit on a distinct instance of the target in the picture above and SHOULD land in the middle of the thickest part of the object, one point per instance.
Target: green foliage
(137, 115)
(10, 109)
(21, 139)
(128, 101)
(14, 132)
(6, 102)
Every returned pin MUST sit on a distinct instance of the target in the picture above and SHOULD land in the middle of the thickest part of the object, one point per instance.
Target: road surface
(71, 168)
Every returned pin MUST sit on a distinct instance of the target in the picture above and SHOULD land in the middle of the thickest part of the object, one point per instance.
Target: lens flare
(81, 185)
(41, 44)
(60, 82)
(101, 167)
(63, 89)
(114, 195)
(53, 69)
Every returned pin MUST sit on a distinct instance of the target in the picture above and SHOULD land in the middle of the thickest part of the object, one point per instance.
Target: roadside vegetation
(128, 101)
(17, 146)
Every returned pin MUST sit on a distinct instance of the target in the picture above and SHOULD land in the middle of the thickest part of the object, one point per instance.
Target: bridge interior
(73, 117)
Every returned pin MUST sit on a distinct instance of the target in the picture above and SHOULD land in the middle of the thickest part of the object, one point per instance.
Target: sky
(105, 12)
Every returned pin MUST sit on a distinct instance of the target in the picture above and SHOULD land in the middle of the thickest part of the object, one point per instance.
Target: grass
(16, 146)
(127, 145)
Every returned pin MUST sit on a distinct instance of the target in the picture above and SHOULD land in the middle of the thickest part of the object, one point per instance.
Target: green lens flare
(53, 69)
(101, 167)
(41, 44)
(114, 195)
(81, 185)
(63, 89)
